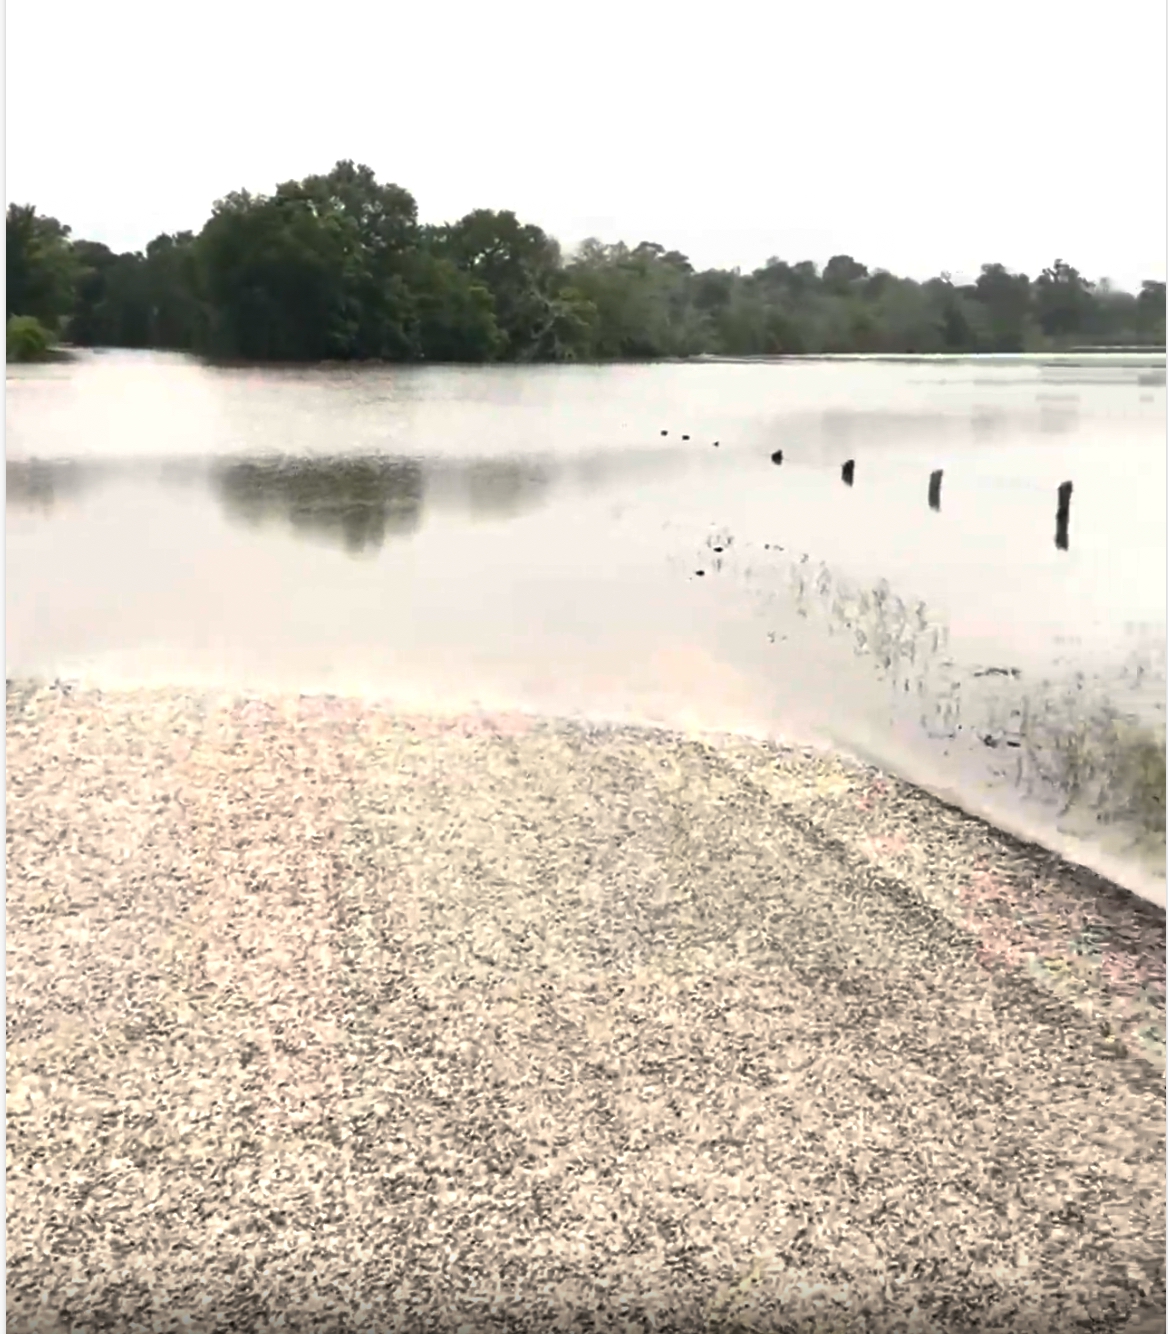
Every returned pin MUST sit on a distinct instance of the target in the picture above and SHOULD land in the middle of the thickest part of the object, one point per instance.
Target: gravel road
(322, 1017)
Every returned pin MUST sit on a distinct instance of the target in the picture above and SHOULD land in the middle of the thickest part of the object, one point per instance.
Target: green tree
(337, 266)
(738, 318)
(540, 315)
(380, 223)
(27, 339)
(135, 299)
(171, 282)
(1062, 300)
(798, 319)
(644, 301)
(1150, 312)
(125, 307)
(42, 270)
(742, 326)
(518, 263)
(954, 318)
(279, 276)
(630, 319)
(841, 273)
(455, 314)
(90, 323)
(318, 270)
(1005, 298)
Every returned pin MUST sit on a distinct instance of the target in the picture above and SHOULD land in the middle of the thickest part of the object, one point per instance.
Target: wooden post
(848, 471)
(1062, 517)
(935, 490)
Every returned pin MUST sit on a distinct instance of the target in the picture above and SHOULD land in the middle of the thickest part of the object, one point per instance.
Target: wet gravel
(324, 1017)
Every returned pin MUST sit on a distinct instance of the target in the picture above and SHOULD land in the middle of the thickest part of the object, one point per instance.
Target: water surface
(548, 538)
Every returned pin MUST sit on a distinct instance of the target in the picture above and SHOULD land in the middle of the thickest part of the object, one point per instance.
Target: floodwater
(629, 543)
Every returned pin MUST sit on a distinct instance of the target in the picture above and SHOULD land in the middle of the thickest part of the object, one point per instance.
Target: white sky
(916, 136)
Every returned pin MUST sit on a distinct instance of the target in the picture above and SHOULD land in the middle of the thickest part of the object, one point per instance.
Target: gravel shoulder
(324, 1017)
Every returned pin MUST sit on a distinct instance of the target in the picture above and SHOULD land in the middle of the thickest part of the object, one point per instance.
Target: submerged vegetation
(1071, 741)
(1099, 759)
(338, 267)
(27, 339)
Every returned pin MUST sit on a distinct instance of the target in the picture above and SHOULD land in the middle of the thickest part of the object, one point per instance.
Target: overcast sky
(917, 137)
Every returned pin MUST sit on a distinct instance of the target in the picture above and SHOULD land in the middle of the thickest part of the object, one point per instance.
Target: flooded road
(871, 554)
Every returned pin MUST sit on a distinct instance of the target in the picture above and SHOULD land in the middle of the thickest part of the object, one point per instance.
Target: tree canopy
(42, 267)
(337, 267)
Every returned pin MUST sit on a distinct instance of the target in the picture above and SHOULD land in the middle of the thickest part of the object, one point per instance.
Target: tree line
(338, 267)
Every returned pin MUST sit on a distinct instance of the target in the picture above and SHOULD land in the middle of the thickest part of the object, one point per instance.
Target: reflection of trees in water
(359, 502)
(1097, 744)
(489, 488)
(987, 422)
(599, 469)
(365, 501)
(39, 484)
(1057, 418)
(828, 438)
(505, 488)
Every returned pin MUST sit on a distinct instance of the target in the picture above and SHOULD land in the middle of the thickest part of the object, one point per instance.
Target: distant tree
(841, 272)
(455, 314)
(713, 290)
(1111, 315)
(630, 312)
(135, 299)
(273, 275)
(1005, 298)
(336, 265)
(741, 324)
(902, 317)
(539, 315)
(1062, 300)
(1150, 312)
(379, 224)
(318, 270)
(567, 330)
(876, 284)
(798, 279)
(42, 270)
(953, 314)
(90, 324)
(125, 308)
(27, 339)
(643, 301)
(171, 282)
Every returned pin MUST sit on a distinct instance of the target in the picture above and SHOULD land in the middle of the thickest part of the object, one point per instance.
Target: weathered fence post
(935, 490)
(1062, 517)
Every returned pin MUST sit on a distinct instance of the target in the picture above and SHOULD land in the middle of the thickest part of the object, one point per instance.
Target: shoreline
(1075, 855)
